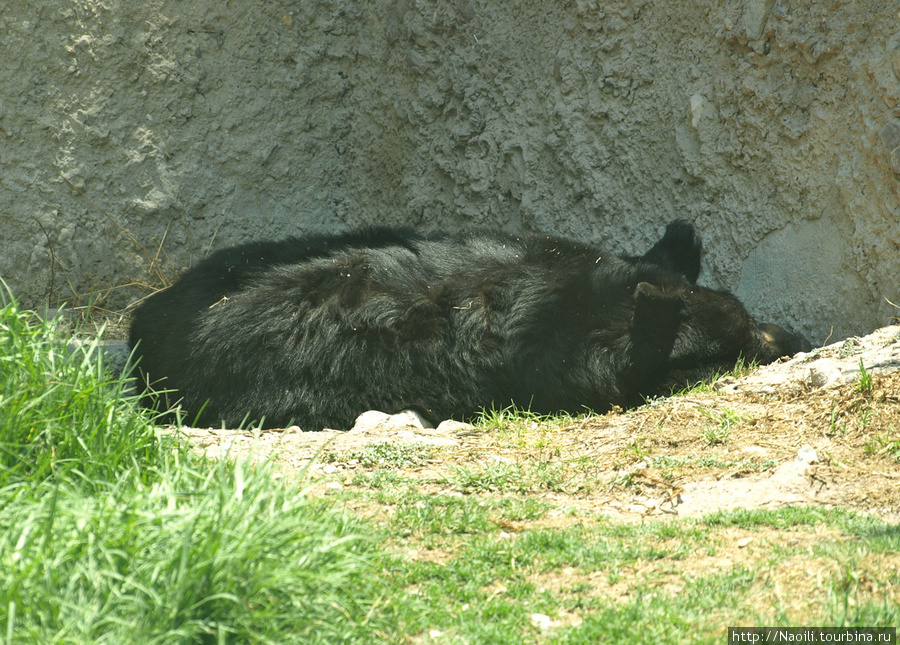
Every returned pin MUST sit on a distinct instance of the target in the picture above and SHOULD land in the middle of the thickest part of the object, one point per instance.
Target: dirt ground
(822, 428)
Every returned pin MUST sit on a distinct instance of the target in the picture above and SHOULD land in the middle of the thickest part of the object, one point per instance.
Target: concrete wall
(134, 137)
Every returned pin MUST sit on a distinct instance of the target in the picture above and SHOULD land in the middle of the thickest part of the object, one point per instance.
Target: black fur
(315, 331)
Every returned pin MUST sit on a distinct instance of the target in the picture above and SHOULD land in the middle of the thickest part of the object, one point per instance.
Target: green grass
(864, 385)
(582, 571)
(516, 418)
(502, 476)
(885, 443)
(423, 515)
(721, 422)
(61, 413)
(200, 554)
(741, 368)
(111, 532)
(666, 461)
(388, 455)
(879, 536)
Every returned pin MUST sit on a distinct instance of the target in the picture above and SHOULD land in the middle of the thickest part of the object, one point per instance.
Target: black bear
(315, 331)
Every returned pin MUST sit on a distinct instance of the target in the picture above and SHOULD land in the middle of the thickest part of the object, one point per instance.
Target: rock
(725, 383)
(827, 367)
(821, 376)
(756, 12)
(410, 418)
(807, 455)
(541, 621)
(451, 427)
(375, 421)
(370, 421)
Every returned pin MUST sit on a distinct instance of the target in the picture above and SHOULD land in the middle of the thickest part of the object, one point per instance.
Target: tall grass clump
(62, 412)
(222, 554)
(110, 532)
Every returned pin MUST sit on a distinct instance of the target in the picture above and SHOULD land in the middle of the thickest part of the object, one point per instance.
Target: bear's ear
(679, 250)
(657, 308)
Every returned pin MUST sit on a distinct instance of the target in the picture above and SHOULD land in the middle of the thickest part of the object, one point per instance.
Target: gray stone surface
(826, 367)
(135, 137)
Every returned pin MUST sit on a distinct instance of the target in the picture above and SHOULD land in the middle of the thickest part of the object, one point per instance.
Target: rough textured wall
(136, 136)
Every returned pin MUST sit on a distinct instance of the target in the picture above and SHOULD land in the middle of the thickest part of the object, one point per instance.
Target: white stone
(370, 421)
(410, 418)
(450, 426)
(541, 621)
(807, 455)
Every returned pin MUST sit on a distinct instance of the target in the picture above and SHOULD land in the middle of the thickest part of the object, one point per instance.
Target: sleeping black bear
(317, 330)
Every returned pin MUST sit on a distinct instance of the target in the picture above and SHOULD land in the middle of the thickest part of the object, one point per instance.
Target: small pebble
(541, 621)
(807, 455)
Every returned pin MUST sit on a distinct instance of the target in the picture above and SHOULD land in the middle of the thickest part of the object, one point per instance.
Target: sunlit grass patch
(672, 582)
(741, 368)
(505, 476)
(110, 532)
(388, 455)
(198, 554)
(62, 412)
